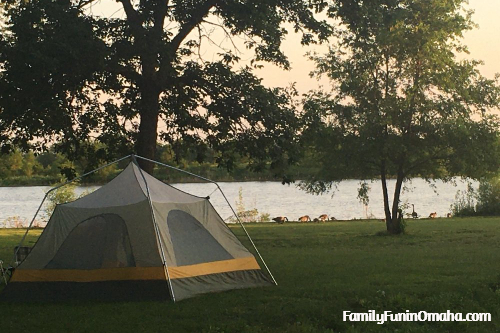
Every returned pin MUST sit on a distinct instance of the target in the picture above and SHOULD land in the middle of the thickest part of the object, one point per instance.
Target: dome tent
(135, 238)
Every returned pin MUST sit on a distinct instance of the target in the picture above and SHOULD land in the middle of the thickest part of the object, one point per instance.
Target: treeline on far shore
(49, 168)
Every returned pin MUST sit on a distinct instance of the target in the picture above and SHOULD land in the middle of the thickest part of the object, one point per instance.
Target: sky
(483, 43)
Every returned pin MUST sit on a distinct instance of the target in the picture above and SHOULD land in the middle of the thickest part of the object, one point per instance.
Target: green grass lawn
(322, 270)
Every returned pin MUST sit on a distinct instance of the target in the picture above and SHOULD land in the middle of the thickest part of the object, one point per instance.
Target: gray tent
(134, 238)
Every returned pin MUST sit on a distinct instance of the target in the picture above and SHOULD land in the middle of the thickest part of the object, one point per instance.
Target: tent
(135, 238)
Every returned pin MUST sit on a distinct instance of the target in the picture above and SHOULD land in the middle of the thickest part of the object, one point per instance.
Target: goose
(304, 218)
(414, 213)
(280, 219)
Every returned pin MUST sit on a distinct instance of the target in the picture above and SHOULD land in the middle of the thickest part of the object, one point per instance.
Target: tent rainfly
(135, 238)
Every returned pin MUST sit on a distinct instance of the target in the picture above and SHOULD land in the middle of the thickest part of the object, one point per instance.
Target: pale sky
(483, 44)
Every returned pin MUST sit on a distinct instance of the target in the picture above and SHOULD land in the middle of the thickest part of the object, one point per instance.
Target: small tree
(402, 105)
(64, 194)
(29, 164)
(61, 195)
(244, 215)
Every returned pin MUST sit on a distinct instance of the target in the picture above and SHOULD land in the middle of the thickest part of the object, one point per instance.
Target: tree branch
(82, 3)
(133, 18)
(434, 157)
(129, 73)
(226, 33)
(187, 27)
(159, 16)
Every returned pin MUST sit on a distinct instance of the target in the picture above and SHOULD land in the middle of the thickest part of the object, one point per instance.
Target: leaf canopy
(70, 76)
(401, 101)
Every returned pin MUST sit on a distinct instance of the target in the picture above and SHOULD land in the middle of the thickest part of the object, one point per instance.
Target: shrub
(265, 217)
(484, 202)
(250, 215)
(61, 195)
(465, 202)
(488, 197)
(15, 222)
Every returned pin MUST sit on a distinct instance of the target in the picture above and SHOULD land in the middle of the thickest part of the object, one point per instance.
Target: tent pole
(29, 227)
(157, 230)
(177, 169)
(55, 188)
(230, 206)
(248, 235)
(3, 272)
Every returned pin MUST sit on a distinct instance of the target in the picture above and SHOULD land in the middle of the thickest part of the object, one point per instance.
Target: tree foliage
(69, 76)
(402, 103)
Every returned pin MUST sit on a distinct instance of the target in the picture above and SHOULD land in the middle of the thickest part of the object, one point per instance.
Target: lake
(270, 197)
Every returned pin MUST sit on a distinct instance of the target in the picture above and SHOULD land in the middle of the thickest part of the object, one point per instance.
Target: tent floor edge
(105, 291)
(213, 283)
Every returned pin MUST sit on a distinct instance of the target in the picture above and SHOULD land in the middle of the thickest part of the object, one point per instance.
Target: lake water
(268, 197)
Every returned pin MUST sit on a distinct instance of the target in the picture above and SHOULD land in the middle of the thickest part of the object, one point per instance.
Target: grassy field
(322, 270)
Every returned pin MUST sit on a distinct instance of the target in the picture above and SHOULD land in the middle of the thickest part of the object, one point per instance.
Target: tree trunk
(148, 128)
(395, 227)
(387, 210)
(392, 218)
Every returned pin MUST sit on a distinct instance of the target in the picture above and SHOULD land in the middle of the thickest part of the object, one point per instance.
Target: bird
(414, 213)
(433, 215)
(304, 218)
(280, 219)
(448, 215)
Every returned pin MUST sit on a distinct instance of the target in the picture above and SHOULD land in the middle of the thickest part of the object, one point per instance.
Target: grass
(322, 270)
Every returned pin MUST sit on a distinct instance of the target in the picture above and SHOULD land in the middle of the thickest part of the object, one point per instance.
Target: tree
(70, 76)
(29, 164)
(402, 104)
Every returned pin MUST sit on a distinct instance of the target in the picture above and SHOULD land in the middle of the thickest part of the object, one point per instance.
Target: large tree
(402, 103)
(68, 75)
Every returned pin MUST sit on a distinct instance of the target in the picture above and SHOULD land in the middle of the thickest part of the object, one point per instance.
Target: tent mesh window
(192, 242)
(110, 246)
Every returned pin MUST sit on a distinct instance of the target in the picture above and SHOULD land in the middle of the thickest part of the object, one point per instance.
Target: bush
(265, 217)
(250, 215)
(465, 202)
(61, 195)
(484, 202)
(36, 180)
(488, 197)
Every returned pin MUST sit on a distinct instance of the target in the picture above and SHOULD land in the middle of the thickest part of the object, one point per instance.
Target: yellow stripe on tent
(214, 267)
(133, 273)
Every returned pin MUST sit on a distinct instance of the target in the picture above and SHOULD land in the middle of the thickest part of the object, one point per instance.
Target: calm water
(268, 197)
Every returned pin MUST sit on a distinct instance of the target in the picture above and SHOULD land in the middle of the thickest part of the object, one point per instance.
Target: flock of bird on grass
(324, 217)
(305, 218)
